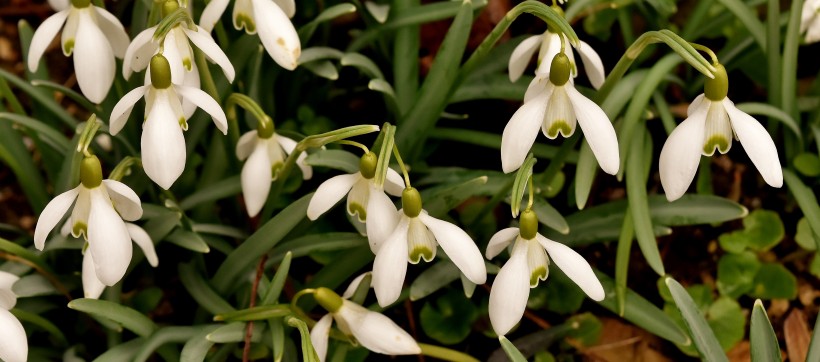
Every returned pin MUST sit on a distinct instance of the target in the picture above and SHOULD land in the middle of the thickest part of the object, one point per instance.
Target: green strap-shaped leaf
(163, 336)
(638, 204)
(278, 281)
(197, 347)
(513, 353)
(519, 187)
(338, 159)
(805, 198)
(127, 317)
(201, 291)
(255, 313)
(762, 338)
(308, 353)
(703, 336)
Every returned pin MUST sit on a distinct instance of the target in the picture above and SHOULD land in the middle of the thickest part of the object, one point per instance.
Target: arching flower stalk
(93, 35)
(13, 340)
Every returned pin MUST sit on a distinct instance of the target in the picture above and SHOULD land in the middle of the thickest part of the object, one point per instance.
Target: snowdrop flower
(372, 330)
(98, 214)
(265, 151)
(529, 264)
(13, 341)
(92, 286)
(548, 46)
(177, 49)
(553, 104)
(413, 235)
(270, 18)
(356, 186)
(810, 21)
(94, 35)
(162, 142)
(711, 123)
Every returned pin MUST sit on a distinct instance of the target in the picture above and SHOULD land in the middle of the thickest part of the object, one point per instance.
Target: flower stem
(354, 143)
(401, 165)
(706, 50)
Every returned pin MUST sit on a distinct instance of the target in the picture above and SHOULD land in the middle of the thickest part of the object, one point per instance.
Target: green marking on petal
(559, 126)
(68, 47)
(186, 62)
(355, 209)
(538, 274)
(243, 20)
(183, 123)
(421, 252)
(716, 142)
(79, 228)
(274, 170)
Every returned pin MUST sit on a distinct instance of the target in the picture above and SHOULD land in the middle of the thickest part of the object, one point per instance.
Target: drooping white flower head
(13, 340)
(98, 214)
(409, 235)
(529, 264)
(357, 188)
(372, 330)
(548, 46)
(810, 21)
(93, 35)
(269, 18)
(92, 286)
(712, 122)
(265, 152)
(162, 143)
(553, 104)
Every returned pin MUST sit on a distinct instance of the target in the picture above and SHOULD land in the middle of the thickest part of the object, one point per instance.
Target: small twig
(260, 269)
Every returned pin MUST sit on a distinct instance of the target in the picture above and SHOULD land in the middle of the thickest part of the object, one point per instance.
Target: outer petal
(202, 40)
(288, 6)
(550, 47)
(92, 287)
(59, 5)
(758, 144)
(125, 200)
(319, 336)
(256, 179)
(329, 193)
(574, 266)
(696, 103)
(52, 214)
(139, 53)
(379, 334)
(43, 37)
(354, 284)
(500, 241)
(510, 291)
(114, 31)
(598, 130)
(382, 218)
(277, 33)
(122, 110)
(681, 154)
(13, 343)
(93, 59)
(289, 145)
(393, 183)
(521, 56)
(246, 145)
(162, 142)
(390, 265)
(7, 297)
(211, 14)
(208, 104)
(539, 84)
(520, 133)
(143, 240)
(593, 65)
(459, 246)
(108, 240)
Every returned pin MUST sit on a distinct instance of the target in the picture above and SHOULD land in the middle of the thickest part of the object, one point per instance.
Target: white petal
(379, 334)
(175, 54)
(500, 241)
(758, 144)
(393, 183)
(7, 297)
(92, 287)
(696, 103)
(380, 12)
(190, 79)
(43, 37)
(208, 104)
(354, 284)
(256, 179)
(598, 130)
(550, 47)
(288, 6)
(289, 145)
(357, 200)
(139, 52)
(319, 336)
(69, 35)
(13, 343)
(59, 5)
(52, 214)
(593, 65)
(521, 56)
(211, 14)
(382, 218)
(510, 291)
(460, 248)
(108, 240)
(680, 155)
(7, 280)
(93, 59)
(143, 240)
(538, 85)
(390, 265)
(122, 110)
(125, 200)
(574, 266)
(277, 33)
(246, 145)
(162, 143)
(329, 193)
(520, 132)
(202, 40)
(113, 29)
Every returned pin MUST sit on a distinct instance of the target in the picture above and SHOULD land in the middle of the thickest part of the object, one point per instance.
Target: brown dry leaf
(797, 335)
(624, 342)
(741, 352)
